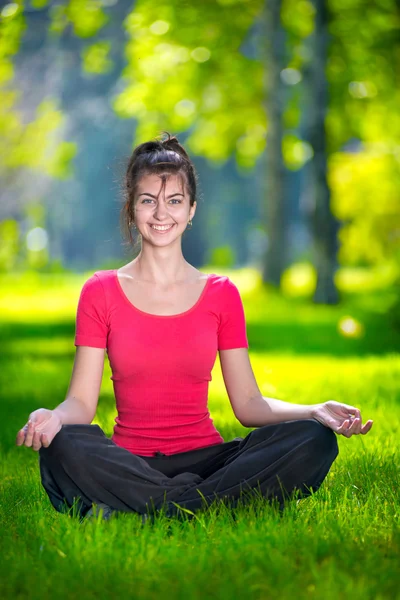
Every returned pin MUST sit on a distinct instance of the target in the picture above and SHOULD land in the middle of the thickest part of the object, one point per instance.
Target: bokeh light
(36, 239)
(350, 327)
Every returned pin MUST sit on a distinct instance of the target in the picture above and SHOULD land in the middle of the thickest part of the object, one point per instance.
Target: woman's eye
(178, 200)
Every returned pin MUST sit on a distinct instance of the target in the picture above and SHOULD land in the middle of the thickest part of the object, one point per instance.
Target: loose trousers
(83, 466)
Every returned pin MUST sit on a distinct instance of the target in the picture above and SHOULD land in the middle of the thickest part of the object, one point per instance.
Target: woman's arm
(79, 406)
(263, 410)
(254, 410)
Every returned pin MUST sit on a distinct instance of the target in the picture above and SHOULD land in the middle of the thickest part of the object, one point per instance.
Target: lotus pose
(162, 323)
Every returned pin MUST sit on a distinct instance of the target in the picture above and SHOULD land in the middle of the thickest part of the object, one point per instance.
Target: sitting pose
(162, 323)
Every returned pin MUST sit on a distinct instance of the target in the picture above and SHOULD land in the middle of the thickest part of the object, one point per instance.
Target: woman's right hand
(42, 427)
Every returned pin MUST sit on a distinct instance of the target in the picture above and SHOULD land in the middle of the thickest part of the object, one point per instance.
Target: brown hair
(166, 156)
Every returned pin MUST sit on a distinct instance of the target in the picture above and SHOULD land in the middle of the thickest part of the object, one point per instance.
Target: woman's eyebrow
(170, 196)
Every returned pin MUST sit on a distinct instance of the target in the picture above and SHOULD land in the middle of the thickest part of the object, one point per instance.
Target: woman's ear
(192, 211)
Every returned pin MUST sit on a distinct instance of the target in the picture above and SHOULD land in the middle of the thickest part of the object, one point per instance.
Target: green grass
(343, 542)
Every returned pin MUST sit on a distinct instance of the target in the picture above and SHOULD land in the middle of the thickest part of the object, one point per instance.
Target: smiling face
(162, 208)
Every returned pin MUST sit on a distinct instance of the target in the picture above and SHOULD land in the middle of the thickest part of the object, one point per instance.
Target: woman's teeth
(161, 227)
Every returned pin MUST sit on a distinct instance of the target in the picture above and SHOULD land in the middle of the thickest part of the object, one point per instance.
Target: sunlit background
(83, 81)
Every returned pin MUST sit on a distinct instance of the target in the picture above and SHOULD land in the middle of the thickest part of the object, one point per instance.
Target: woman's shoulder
(223, 287)
(100, 278)
(98, 282)
(105, 275)
(221, 281)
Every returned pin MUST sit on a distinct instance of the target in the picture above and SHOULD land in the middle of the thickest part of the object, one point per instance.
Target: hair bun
(172, 143)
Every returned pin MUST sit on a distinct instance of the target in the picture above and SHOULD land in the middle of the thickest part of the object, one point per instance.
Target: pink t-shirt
(161, 365)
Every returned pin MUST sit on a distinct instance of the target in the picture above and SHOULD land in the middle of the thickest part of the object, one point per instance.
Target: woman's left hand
(343, 419)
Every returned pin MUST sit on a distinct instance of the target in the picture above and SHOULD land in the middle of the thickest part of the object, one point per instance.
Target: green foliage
(85, 16)
(33, 145)
(213, 90)
(362, 71)
(223, 256)
(95, 58)
(298, 18)
(365, 195)
(27, 253)
(185, 71)
(295, 151)
(191, 68)
(9, 238)
(39, 3)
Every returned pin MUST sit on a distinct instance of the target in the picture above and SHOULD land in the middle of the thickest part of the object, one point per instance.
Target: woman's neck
(161, 272)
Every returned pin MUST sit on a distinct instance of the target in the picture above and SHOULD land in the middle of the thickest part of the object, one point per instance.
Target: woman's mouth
(161, 228)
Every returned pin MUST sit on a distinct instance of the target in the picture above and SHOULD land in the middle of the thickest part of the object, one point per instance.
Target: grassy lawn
(343, 542)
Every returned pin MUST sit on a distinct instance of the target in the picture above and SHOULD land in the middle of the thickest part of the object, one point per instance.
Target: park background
(289, 110)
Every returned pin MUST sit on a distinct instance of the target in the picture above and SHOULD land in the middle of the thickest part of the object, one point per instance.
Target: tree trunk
(324, 226)
(273, 56)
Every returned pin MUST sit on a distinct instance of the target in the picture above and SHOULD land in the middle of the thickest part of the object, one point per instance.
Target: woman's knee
(62, 443)
(322, 440)
(72, 440)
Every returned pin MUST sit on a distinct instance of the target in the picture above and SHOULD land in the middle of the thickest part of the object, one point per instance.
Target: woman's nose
(161, 210)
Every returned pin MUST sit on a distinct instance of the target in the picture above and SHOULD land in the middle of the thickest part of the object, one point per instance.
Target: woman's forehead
(153, 182)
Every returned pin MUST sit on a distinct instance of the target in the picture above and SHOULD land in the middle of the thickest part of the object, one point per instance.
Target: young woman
(162, 323)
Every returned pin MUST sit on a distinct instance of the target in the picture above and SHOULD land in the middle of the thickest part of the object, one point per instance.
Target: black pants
(83, 466)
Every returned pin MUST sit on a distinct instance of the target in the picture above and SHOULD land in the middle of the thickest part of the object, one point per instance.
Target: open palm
(342, 418)
(42, 427)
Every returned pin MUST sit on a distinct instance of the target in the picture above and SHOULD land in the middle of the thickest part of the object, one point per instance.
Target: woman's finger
(357, 426)
(365, 428)
(36, 443)
(29, 434)
(45, 441)
(20, 437)
(354, 427)
(343, 427)
(350, 429)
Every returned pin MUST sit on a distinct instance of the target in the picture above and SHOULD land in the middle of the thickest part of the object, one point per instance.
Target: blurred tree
(363, 127)
(32, 140)
(366, 197)
(190, 68)
(9, 237)
(185, 74)
(354, 150)
(229, 96)
(201, 69)
(274, 57)
(23, 146)
(324, 225)
(33, 145)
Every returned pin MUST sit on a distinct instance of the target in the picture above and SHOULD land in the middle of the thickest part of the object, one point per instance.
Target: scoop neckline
(182, 314)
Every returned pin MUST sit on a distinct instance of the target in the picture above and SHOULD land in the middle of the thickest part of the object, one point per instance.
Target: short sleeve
(91, 316)
(232, 327)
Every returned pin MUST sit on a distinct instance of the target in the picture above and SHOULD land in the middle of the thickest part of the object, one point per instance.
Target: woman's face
(162, 208)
